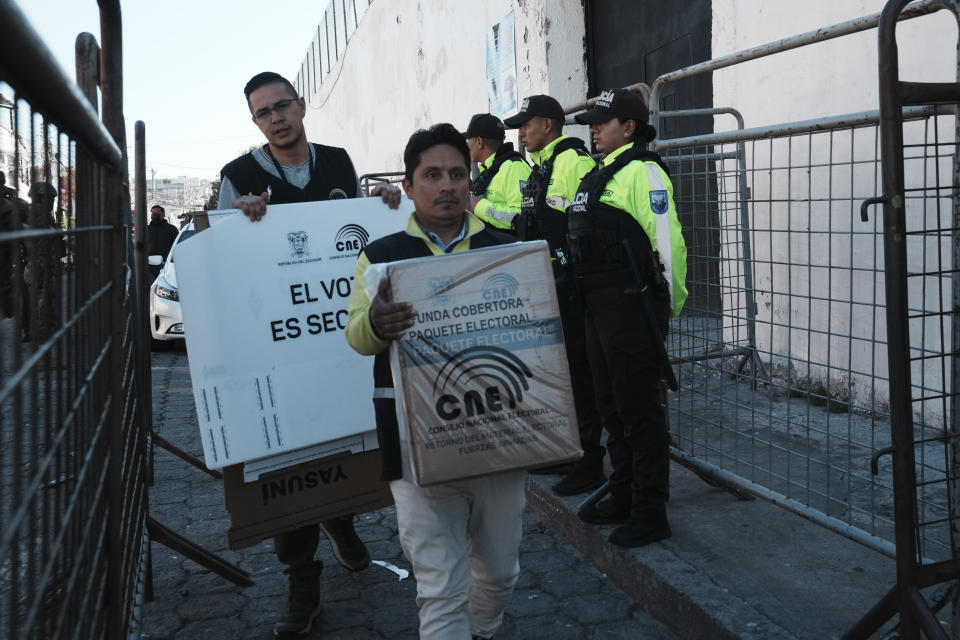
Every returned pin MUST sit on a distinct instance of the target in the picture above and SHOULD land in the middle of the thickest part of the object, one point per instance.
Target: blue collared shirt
(445, 247)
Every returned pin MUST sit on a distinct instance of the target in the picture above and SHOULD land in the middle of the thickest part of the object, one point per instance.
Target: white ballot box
(264, 311)
(482, 378)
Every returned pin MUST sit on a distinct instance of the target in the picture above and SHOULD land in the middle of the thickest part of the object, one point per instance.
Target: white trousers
(463, 540)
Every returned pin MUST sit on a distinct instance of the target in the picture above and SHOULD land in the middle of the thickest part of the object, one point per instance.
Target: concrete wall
(368, 98)
(833, 77)
(804, 212)
(434, 70)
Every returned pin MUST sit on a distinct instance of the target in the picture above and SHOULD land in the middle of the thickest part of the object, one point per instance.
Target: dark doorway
(630, 41)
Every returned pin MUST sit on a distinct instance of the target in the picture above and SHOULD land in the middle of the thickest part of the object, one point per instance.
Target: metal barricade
(921, 208)
(369, 180)
(72, 441)
(807, 308)
(799, 278)
(787, 391)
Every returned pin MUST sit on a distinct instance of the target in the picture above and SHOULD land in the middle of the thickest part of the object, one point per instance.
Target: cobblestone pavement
(560, 596)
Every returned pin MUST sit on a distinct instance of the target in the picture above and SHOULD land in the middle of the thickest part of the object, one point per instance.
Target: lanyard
(276, 164)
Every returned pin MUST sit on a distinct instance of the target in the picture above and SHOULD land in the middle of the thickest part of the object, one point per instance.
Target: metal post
(953, 426)
(746, 259)
(898, 327)
(87, 53)
(117, 209)
(142, 317)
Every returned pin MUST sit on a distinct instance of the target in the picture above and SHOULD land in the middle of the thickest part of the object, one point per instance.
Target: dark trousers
(581, 380)
(572, 317)
(630, 398)
(297, 548)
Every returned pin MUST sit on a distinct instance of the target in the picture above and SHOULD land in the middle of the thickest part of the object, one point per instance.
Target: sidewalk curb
(661, 582)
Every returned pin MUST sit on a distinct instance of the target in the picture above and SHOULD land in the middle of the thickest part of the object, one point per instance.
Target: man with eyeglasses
(287, 168)
(290, 169)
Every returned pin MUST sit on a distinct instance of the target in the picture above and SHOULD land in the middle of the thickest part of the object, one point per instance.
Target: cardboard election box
(303, 494)
(266, 306)
(482, 378)
(290, 487)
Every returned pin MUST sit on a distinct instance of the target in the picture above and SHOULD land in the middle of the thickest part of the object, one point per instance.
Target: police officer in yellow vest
(495, 194)
(559, 164)
(624, 227)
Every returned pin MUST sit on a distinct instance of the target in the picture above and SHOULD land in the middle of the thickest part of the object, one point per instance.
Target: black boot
(609, 511)
(303, 602)
(552, 470)
(639, 532)
(348, 548)
(585, 476)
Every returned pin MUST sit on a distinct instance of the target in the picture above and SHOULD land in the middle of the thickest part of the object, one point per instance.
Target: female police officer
(630, 261)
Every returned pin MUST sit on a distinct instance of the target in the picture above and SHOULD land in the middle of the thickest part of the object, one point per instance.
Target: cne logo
(299, 247)
(440, 287)
(351, 237)
(479, 379)
(500, 286)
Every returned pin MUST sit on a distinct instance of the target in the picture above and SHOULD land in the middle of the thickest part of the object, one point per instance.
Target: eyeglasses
(265, 113)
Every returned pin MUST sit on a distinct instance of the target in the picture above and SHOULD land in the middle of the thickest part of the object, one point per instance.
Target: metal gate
(921, 212)
(72, 437)
(830, 351)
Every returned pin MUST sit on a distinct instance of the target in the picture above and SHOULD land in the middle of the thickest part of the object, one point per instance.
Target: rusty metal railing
(72, 437)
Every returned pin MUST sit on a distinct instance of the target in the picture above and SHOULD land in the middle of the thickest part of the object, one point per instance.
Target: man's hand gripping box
(483, 383)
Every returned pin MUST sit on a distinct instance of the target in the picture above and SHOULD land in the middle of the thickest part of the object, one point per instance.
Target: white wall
(410, 64)
(794, 199)
(433, 69)
(829, 78)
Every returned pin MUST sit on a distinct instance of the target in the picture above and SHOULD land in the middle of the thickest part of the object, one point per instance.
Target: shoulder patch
(337, 194)
(658, 201)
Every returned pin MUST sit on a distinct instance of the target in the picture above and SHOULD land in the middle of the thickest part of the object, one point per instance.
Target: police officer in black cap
(630, 261)
(559, 164)
(495, 194)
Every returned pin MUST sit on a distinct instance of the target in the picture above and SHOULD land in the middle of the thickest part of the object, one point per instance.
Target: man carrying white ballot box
(285, 170)
(463, 537)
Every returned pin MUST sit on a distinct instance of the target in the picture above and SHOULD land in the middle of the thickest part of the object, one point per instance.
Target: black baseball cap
(539, 105)
(485, 125)
(622, 104)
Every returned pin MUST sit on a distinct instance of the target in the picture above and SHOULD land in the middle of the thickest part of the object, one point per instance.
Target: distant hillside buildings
(176, 195)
